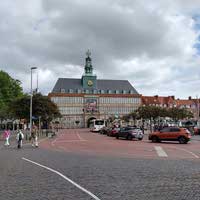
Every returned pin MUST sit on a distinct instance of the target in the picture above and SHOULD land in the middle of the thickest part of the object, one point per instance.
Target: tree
(10, 89)
(43, 107)
(179, 113)
(126, 118)
(148, 112)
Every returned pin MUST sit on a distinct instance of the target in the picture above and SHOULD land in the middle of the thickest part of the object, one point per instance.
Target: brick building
(87, 98)
(166, 102)
(170, 102)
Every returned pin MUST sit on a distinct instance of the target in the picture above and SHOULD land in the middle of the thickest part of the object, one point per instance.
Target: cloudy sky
(152, 43)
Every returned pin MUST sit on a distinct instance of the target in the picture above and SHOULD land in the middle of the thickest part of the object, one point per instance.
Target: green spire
(88, 64)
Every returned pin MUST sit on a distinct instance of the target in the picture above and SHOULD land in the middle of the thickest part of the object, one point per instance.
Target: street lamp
(198, 108)
(31, 103)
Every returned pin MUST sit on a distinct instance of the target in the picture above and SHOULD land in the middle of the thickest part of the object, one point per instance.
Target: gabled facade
(170, 102)
(166, 102)
(87, 98)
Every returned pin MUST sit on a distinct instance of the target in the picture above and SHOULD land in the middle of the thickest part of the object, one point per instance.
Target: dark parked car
(104, 130)
(113, 131)
(129, 133)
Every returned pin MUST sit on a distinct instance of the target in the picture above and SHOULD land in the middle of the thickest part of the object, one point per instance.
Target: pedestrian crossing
(160, 151)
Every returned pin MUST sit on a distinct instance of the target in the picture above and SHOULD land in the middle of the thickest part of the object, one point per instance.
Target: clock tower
(89, 81)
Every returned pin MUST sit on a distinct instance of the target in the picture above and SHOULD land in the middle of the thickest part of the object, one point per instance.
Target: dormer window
(87, 91)
(131, 92)
(70, 90)
(62, 90)
(78, 91)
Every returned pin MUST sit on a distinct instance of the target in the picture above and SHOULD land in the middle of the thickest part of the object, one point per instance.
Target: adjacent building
(170, 102)
(87, 98)
(165, 102)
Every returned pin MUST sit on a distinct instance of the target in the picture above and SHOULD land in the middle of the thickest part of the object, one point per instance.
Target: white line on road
(160, 151)
(63, 176)
(187, 151)
(63, 141)
(80, 138)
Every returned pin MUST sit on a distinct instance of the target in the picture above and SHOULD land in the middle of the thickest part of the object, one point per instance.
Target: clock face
(90, 83)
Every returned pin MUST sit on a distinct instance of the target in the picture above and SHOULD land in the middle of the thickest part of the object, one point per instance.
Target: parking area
(82, 141)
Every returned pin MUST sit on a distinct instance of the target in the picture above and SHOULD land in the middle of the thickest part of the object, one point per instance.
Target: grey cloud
(57, 35)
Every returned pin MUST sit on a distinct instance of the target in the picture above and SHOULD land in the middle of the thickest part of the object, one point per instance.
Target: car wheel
(129, 137)
(154, 139)
(140, 138)
(182, 140)
(117, 137)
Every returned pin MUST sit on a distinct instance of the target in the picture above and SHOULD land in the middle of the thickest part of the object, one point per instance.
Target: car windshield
(99, 122)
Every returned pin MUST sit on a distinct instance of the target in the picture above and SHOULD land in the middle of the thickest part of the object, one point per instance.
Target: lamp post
(197, 108)
(31, 103)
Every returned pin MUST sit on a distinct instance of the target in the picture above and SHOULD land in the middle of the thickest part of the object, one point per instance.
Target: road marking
(160, 151)
(60, 141)
(190, 152)
(63, 176)
(41, 140)
(80, 138)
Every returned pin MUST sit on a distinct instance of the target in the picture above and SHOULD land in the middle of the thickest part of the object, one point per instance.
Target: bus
(97, 124)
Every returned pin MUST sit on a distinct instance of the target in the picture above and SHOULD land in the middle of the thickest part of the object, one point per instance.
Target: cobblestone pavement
(109, 177)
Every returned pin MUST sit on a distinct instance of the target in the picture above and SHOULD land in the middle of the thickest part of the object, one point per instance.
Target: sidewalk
(44, 135)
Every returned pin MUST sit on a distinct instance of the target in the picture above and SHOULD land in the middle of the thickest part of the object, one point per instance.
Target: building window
(78, 91)
(62, 90)
(70, 90)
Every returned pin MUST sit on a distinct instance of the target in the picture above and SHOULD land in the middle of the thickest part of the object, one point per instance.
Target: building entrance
(89, 121)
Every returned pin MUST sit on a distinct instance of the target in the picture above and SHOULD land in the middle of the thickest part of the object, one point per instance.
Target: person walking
(6, 136)
(20, 137)
(34, 137)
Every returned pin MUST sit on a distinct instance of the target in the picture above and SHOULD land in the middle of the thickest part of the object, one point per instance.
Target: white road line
(80, 138)
(160, 151)
(190, 152)
(63, 176)
(52, 143)
(63, 141)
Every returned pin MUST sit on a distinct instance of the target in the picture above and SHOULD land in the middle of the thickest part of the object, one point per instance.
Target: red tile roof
(152, 100)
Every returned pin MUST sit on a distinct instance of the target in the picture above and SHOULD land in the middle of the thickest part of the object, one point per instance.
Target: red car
(171, 134)
(113, 131)
(196, 130)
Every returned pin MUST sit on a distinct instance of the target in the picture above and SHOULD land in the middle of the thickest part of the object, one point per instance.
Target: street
(104, 167)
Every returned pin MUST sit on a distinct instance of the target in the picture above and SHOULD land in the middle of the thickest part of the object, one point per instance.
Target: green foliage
(148, 112)
(42, 107)
(126, 118)
(179, 113)
(10, 90)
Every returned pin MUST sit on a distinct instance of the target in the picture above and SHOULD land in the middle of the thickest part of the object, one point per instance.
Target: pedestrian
(34, 137)
(6, 136)
(20, 137)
